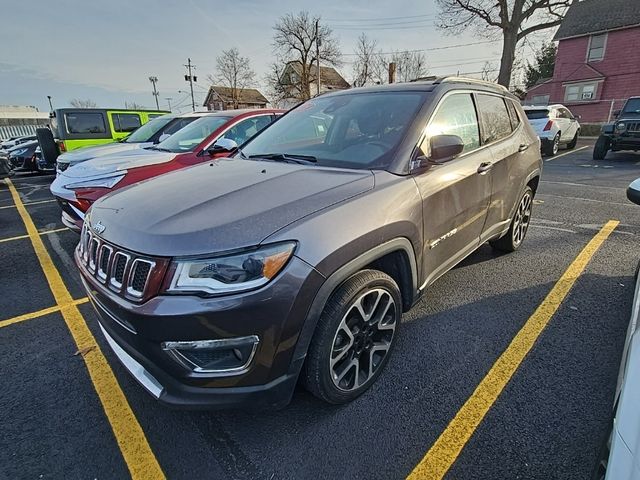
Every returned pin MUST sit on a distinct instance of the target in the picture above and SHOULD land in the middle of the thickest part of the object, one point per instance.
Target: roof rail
(475, 81)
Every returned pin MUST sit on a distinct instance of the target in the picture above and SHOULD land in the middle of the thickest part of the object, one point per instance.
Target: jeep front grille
(122, 272)
(633, 127)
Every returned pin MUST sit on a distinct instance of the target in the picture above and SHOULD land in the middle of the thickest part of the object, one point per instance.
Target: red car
(211, 136)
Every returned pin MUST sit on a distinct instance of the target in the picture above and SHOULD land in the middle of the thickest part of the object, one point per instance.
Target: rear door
(123, 123)
(503, 134)
(455, 194)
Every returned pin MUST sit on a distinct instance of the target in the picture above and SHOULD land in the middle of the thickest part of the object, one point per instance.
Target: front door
(456, 194)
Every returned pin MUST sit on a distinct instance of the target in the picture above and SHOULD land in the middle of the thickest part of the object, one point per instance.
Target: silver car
(555, 125)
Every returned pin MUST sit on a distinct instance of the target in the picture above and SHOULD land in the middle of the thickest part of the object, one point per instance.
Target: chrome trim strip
(173, 349)
(148, 381)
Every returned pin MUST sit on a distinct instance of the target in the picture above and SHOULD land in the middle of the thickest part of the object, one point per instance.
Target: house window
(580, 92)
(596, 47)
(540, 100)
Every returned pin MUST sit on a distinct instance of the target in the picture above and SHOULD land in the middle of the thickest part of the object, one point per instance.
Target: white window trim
(604, 47)
(581, 85)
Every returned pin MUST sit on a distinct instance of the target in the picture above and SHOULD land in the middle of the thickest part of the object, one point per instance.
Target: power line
(379, 19)
(382, 24)
(367, 28)
(431, 49)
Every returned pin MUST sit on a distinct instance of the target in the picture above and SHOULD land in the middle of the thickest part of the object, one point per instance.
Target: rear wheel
(552, 147)
(354, 337)
(601, 147)
(519, 225)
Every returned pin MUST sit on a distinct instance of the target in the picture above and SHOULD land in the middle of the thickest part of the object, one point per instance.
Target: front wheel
(519, 225)
(601, 147)
(354, 337)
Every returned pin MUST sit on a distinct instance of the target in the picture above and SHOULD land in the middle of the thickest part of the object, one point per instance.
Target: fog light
(223, 357)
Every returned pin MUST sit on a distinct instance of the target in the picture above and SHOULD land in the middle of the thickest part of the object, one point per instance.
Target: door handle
(485, 167)
(523, 147)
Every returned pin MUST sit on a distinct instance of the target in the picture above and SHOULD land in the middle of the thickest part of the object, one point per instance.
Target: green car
(74, 128)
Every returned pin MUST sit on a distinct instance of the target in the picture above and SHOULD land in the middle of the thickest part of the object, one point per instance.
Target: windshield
(148, 130)
(537, 114)
(359, 130)
(191, 136)
(632, 106)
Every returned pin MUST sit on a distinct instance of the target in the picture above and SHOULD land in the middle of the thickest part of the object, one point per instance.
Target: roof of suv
(429, 84)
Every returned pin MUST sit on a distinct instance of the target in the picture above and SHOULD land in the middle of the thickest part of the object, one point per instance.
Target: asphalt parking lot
(66, 413)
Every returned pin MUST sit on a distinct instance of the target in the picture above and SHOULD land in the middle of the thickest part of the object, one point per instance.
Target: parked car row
(257, 253)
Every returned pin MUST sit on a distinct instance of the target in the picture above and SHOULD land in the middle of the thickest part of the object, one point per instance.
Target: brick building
(598, 60)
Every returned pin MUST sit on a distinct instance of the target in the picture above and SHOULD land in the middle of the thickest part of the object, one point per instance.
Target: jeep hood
(87, 153)
(109, 164)
(221, 205)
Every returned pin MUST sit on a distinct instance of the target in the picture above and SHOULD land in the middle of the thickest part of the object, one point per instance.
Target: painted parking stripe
(555, 157)
(25, 204)
(41, 313)
(129, 435)
(444, 452)
(45, 232)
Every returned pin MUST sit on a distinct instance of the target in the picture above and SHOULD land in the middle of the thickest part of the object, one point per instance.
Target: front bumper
(274, 313)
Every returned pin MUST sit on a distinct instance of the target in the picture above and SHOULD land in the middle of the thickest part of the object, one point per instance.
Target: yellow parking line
(131, 439)
(40, 313)
(448, 446)
(45, 232)
(25, 204)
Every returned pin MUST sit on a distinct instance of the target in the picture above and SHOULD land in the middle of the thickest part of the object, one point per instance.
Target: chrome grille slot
(103, 262)
(94, 248)
(138, 276)
(118, 269)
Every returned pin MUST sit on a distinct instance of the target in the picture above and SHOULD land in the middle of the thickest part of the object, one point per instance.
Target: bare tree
(366, 65)
(296, 39)
(80, 103)
(409, 65)
(134, 106)
(277, 92)
(234, 72)
(514, 19)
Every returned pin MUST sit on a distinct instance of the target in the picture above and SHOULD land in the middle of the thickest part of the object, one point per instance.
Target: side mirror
(445, 148)
(633, 192)
(163, 137)
(222, 145)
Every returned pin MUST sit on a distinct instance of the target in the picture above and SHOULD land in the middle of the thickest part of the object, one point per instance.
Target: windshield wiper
(158, 148)
(287, 157)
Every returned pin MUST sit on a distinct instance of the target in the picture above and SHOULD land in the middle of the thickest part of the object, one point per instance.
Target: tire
(551, 148)
(601, 147)
(47, 145)
(347, 345)
(513, 239)
(574, 141)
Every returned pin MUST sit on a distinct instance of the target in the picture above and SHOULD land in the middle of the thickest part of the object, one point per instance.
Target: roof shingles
(592, 16)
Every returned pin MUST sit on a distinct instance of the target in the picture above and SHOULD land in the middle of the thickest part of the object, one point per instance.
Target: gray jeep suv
(225, 283)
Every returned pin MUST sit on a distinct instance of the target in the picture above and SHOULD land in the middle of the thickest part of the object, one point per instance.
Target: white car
(555, 125)
(624, 456)
(149, 134)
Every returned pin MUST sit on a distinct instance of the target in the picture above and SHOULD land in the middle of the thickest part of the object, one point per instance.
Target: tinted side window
(85, 123)
(494, 117)
(125, 122)
(513, 114)
(456, 115)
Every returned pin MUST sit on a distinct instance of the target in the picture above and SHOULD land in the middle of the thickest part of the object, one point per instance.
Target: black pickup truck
(623, 133)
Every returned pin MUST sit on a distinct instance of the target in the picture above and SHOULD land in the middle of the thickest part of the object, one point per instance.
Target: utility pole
(50, 104)
(191, 78)
(168, 99)
(318, 56)
(153, 81)
(392, 72)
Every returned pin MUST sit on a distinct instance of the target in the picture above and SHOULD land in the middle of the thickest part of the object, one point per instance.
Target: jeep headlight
(231, 273)
(103, 182)
(621, 126)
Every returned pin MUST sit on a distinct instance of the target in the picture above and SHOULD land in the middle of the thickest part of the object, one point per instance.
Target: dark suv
(221, 284)
(623, 134)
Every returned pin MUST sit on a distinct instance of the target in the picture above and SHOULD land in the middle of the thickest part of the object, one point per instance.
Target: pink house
(598, 62)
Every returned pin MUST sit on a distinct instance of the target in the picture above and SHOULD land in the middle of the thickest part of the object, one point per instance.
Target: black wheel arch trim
(342, 274)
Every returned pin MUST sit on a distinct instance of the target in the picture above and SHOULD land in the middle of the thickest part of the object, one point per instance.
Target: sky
(105, 51)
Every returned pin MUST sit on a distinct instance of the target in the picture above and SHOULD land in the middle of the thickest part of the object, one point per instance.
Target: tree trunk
(509, 41)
